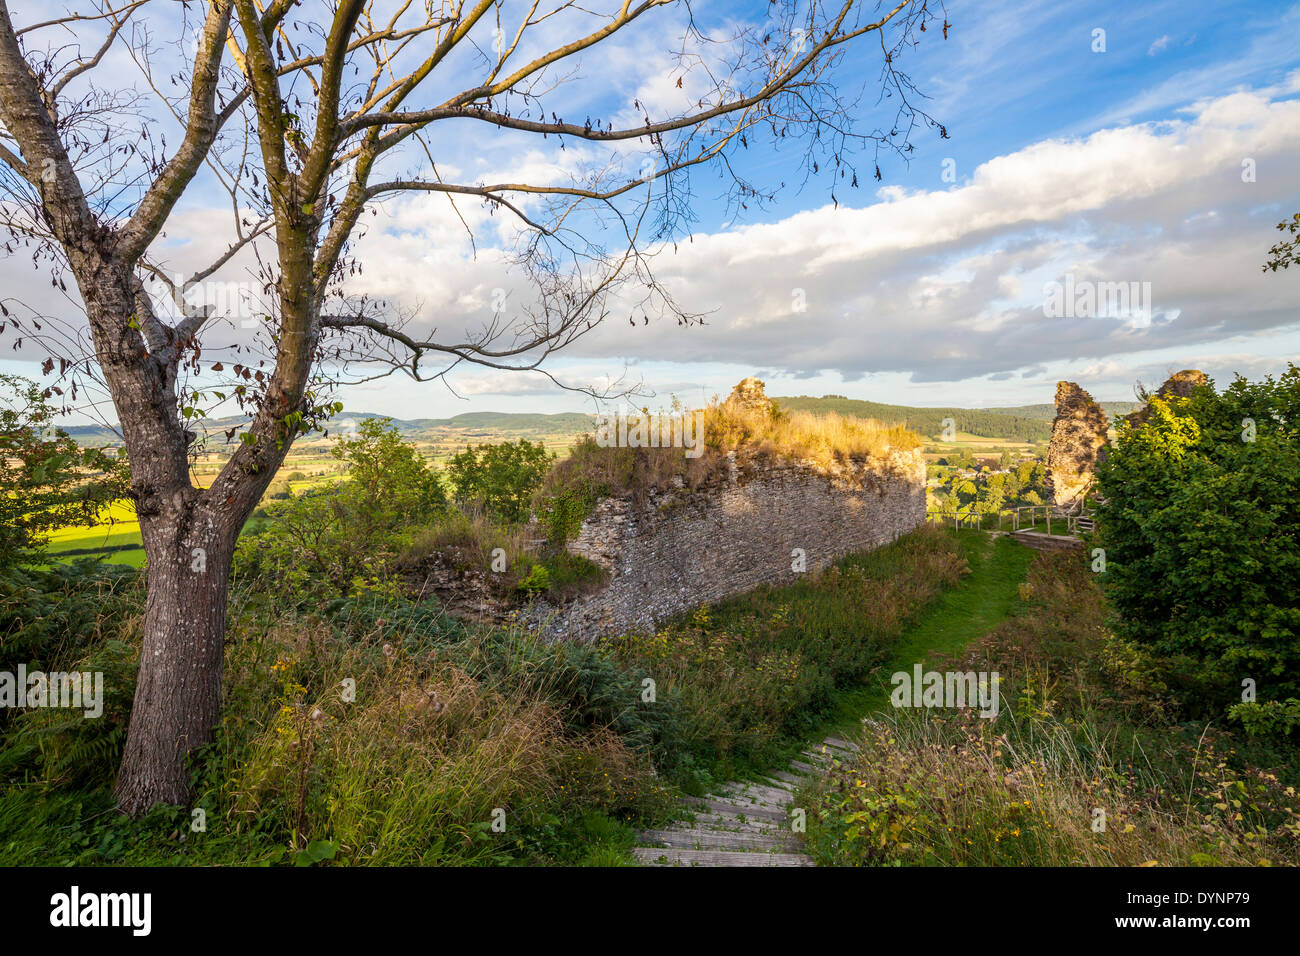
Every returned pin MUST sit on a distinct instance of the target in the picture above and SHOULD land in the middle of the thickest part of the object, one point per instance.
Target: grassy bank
(1085, 763)
(756, 674)
(372, 730)
(958, 616)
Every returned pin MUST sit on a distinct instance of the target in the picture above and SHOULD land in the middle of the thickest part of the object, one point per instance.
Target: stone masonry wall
(683, 548)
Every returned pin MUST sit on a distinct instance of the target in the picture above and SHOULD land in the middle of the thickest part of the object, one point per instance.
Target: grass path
(958, 616)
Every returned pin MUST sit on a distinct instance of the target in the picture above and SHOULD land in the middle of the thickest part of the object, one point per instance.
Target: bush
(537, 579)
(588, 684)
(390, 482)
(46, 481)
(328, 541)
(1200, 527)
(75, 617)
(52, 617)
(449, 724)
(501, 477)
(65, 747)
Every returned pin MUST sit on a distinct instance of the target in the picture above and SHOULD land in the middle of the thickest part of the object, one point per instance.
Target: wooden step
(772, 796)
(823, 757)
(750, 811)
(842, 744)
(803, 767)
(679, 857)
(733, 823)
(697, 839)
(1042, 541)
(789, 778)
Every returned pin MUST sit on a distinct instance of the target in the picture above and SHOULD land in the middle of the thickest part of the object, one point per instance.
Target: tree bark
(189, 537)
(178, 690)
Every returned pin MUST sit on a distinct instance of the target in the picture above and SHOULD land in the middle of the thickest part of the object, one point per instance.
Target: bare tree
(332, 96)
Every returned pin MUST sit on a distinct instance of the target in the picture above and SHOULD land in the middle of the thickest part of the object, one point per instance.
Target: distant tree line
(928, 421)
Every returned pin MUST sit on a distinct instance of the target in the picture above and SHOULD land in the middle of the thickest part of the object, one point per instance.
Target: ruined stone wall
(682, 548)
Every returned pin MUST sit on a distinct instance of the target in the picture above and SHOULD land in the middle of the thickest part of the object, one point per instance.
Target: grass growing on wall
(592, 470)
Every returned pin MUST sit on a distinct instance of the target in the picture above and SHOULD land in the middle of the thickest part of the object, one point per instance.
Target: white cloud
(947, 284)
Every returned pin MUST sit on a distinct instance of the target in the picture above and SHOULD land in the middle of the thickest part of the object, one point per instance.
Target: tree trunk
(178, 690)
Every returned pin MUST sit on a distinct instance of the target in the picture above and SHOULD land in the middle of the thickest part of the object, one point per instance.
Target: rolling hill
(1028, 423)
(987, 423)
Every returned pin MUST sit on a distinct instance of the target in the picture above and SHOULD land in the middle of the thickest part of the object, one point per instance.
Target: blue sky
(1014, 73)
(1115, 166)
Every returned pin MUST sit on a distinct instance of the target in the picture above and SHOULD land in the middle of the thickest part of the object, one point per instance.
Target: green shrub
(1273, 718)
(66, 747)
(46, 480)
(318, 545)
(74, 617)
(1200, 526)
(588, 685)
(537, 579)
(51, 617)
(502, 477)
(568, 575)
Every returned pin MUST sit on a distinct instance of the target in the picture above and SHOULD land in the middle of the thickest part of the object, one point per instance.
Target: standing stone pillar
(1078, 438)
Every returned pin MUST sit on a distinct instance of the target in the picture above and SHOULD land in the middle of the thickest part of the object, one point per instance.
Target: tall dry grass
(468, 536)
(427, 763)
(822, 439)
(963, 791)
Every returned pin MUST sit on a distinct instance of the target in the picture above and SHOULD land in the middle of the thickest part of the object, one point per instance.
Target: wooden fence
(1013, 519)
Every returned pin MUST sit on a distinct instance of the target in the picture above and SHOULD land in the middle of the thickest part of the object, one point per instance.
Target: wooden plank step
(1042, 541)
(778, 784)
(733, 823)
(749, 810)
(803, 767)
(789, 778)
(842, 744)
(773, 796)
(717, 840)
(677, 857)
